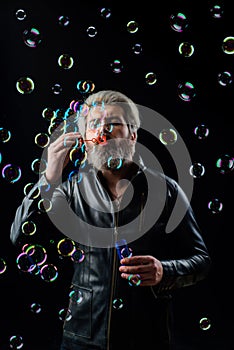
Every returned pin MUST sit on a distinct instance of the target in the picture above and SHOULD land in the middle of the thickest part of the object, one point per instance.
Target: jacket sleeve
(189, 260)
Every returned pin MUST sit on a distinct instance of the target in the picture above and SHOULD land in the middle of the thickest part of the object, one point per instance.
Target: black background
(212, 105)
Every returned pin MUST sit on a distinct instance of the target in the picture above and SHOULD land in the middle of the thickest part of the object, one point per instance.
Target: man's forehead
(100, 111)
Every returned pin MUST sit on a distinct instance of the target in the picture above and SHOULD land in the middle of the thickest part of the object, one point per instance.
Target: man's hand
(58, 155)
(148, 269)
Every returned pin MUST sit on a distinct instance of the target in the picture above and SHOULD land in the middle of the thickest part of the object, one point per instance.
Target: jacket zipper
(116, 216)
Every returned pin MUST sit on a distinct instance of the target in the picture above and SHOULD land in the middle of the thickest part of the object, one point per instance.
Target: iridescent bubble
(11, 173)
(132, 27)
(65, 61)
(76, 296)
(118, 303)
(178, 22)
(85, 86)
(44, 205)
(150, 78)
(29, 228)
(75, 105)
(105, 12)
(63, 21)
(25, 263)
(65, 314)
(42, 139)
(134, 280)
(225, 78)
(186, 91)
(3, 266)
(116, 66)
(215, 206)
(186, 49)
(5, 135)
(197, 170)
(35, 308)
(16, 342)
(78, 255)
(27, 189)
(225, 164)
(66, 247)
(114, 163)
(91, 31)
(57, 89)
(32, 37)
(39, 166)
(20, 14)
(37, 253)
(25, 85)
(204, 323)
(216, 11)
(168, 136)
(137, 49)
(49, 273)
(228, 45)
(48, 113)
(201, 131)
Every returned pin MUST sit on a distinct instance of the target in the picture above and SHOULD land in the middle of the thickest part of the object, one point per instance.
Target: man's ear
(133, 136)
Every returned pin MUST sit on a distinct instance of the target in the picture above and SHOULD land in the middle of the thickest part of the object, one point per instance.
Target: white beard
(113, 155)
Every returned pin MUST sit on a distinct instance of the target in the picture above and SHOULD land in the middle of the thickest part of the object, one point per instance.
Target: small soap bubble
(42, 139)
(32, 37)
(224, 78)
(105, 12)
(225, 164)
(215, 206)
(57, 89)
(186, 49)
(168, 136)
(228, 45)
(204, 323)
(65, 314)
(16, 342)
(216, 11)
(85, 86)
(29, 228)
(118, 303)
(11, 173)
(197, 170)
(20, 14)
(48, 113)
(186, 91)
(5, 135)
(63, 21)
(78, 255)
(201, 131)
(3, 266)
(49, 273)
(134, 280)
(178, 22)
(66, 247)
(137, 49)
(116, 66)
(65, 61)
(39, 166)
(25, 85)
(91, 31)
(35, 308)
(150, 78)
(132, 27)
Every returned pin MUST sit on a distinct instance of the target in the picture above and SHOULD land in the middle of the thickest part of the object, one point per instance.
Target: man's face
(109, 142)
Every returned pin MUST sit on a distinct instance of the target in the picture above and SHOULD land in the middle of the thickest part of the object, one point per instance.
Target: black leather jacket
(141, 317)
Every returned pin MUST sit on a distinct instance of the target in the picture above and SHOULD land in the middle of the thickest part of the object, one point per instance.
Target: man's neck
(112, 178)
